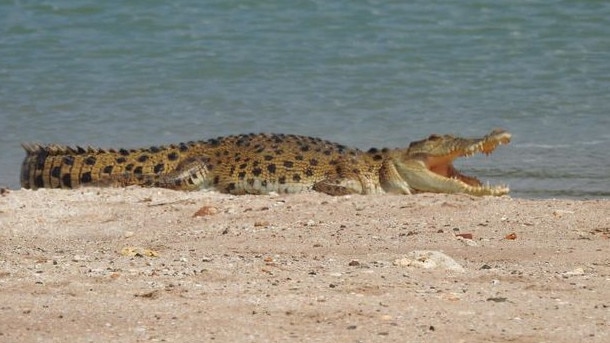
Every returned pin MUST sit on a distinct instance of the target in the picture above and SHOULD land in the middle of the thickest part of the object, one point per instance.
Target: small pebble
(575, 272)
(464, 235)
(429, 259)
(77, 258)
(206, 211)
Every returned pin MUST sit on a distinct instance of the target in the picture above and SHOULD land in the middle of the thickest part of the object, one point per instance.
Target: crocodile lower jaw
(484, 189)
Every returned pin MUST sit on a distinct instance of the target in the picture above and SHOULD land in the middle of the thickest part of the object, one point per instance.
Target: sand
(135, 264)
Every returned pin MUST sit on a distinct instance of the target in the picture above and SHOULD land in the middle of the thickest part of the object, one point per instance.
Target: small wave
(542, 146)
(559, 193)
(546, 173)
(596, 142)
(560, 146)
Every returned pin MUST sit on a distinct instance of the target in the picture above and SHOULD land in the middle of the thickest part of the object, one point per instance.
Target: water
(363, 73)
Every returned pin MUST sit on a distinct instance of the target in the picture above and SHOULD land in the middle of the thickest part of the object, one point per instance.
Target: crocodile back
(248, 163)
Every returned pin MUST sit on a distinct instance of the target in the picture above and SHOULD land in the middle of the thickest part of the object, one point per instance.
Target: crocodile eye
(434, 137)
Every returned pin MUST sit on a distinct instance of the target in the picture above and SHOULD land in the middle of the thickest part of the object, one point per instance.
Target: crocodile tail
(42, 165)
(35, 156)
(59, 166)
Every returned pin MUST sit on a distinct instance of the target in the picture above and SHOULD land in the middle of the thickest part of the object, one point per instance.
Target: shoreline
(154, 264)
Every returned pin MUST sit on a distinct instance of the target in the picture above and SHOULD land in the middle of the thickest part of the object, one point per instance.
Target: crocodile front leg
(390, 179)
(338, 186)
(351, 176)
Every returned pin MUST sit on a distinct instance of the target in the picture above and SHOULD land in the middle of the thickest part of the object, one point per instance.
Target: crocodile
(264, 163)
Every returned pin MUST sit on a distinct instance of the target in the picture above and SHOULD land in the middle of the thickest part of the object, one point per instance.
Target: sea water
(362, 73)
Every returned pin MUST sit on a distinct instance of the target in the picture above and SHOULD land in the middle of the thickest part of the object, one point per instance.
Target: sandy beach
(127, 265)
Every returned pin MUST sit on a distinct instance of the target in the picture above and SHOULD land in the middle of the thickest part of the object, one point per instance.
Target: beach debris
(467, 241)
(138, 252)
(206, 211)
(149, 295)
(78, 258)
(497, 299)
(560, 213)
(603, 232)
(466, 238)
(511, 236)
(310, 222)
(429, 259)
(576, 272)
(260, 223)
(450, 296)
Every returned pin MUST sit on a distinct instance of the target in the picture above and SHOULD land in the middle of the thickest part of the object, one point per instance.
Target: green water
(363, 73)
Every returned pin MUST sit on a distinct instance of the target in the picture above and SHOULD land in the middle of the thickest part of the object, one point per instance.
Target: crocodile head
(427, 165)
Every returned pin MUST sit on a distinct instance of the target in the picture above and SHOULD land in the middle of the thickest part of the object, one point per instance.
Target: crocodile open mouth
(443, 164)
(438, 153)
